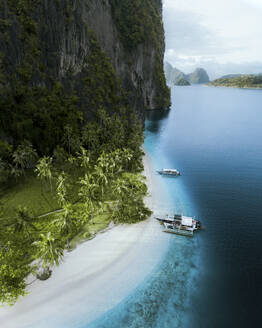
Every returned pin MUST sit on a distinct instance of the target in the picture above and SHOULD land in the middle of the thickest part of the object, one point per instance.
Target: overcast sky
(222, 36)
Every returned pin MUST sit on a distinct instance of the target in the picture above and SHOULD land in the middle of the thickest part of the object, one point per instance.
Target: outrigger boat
(171, 172)
(180, 225)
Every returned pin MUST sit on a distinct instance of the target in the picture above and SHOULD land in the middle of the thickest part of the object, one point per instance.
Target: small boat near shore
(180, 225)
(169, 172)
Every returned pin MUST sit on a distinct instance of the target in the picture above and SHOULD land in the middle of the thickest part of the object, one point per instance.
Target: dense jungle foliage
(138, 21)
(70, 145)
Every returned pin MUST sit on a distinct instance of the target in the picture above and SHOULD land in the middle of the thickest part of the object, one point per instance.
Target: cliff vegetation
(140, 22)
(72, 102)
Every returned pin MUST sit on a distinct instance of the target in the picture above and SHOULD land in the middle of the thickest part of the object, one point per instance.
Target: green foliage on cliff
(37, 114)
(101, 87)
(140, 21)
(34, 106)
(70, 125)
(86, 135)
(163, 94)
(46, 111)
(245, 81)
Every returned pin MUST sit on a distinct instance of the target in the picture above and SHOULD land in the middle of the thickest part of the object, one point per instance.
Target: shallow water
(213, 136)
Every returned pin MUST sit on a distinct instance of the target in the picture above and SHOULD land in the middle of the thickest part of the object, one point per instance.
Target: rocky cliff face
(64, 61)
(55, 38)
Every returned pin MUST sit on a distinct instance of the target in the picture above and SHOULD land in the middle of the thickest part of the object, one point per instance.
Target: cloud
(224, 35)
(254, 3)
(184, 33)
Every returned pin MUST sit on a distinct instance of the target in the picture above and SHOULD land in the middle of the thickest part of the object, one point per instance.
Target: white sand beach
(94, 277)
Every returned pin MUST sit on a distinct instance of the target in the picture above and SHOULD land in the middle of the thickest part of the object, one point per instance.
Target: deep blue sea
(214, 280)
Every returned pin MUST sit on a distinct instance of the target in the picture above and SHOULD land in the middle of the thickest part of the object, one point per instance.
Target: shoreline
(96, 276)
(232, 87)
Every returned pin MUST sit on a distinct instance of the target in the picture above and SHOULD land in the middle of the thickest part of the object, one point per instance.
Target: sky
(222, 36)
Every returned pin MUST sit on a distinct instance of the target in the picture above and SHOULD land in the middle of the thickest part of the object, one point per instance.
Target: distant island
(239, 81)
(176, 77)
(182, 82)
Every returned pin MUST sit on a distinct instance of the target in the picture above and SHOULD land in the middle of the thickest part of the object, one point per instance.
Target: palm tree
(66, 223)
(129, 190)
(49, 251)
(103, 173)
(61, 188)
(126, 157)
(88, 192)
(22, 222)
(119, 187)
(84, 158)
(102, 181)
(24, 156)
(71, 139)
(44, 170)
(120, 190)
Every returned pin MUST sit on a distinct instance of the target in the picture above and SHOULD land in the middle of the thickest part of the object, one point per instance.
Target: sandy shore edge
(96, 276)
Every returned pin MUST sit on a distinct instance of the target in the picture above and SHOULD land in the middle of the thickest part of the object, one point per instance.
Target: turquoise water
(213, 136)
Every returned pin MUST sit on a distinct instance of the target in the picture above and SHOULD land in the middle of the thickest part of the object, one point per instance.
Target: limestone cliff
(52, 40)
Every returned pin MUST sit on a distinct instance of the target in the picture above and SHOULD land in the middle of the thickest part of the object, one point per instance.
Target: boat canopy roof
(169, 170)
(187, 221)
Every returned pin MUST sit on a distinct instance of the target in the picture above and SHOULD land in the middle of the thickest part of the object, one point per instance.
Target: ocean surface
(214, 280)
